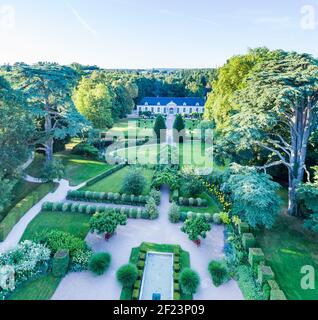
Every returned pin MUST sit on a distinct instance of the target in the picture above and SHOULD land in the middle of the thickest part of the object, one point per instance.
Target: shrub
(145, 214)
(244, 228)
(156, 195)
(265, 273)
(250, 289)
(175, 195)
(255, 256)
(273, 285)
(61, 262)
(196, 228)
(189, 281)
(133, 213)
(191, 202)
(134, 182)
(99, 263)
(176, 296)
(74, 207)
(218, 272)
(152, 209)
(174, 213)
(225, 218)
(86, 150)
(80, 259)
(191, 186)
(127, 275)
(217, 218)
(66, 206)
(278, 295)
(141, 265)
(52, 170)
(248, 240)
(47, 206)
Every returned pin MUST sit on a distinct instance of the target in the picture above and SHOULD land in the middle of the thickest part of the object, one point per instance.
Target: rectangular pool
(158, 276)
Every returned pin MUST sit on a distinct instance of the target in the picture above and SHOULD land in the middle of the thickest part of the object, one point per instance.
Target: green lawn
(188, 154)
(126, 293)
(114, 182)
(77, 168)
(41, 288)
(288, 247)
(74, 223)
(213, 206)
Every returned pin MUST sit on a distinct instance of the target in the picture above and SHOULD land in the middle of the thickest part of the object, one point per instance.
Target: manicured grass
(77, 169)
(41, 288)
(213, 206)
(288, 247)
(126, 293)
(74, 223)
(114, 182)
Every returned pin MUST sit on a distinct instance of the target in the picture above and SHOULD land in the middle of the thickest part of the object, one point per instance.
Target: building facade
(159, 105)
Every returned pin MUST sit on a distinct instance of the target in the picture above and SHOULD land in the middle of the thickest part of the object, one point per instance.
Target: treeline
(265, 107)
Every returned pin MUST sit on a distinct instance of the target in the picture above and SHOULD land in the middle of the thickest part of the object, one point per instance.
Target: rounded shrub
(127, 212)
(117, 197)
(174, 213)
(102, 196)
(217, 218)
(65, 207)
(110, 196)
(191, 202)
(47, 206)
(218, 272)
(139, 213)
(204, 203)
(189, 281)
(199, 202)
(88, 194)
(145, 215)
(127, 275)
(88, 209)
(74, 207)
(99, 263)
(133, 213)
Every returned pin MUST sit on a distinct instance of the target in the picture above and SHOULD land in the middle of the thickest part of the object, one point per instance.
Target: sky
(152, 33)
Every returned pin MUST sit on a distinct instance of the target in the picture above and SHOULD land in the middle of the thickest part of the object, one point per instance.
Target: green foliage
(312, 223)
(155, 194)
(219, 273)
(166, 176)
(6, 187)
(254, 196)
(196, 227)
(152, 209)
(134, 182)
(99, 263)
(22, 207)
(107, 222)
(191, 186)
(277, 295)
(57, 240)
(225, 218)
(307, 195)
(160, 128)
(265, 273)
(61, 262)
(127, 275)
(189, 281)
(174, 213)
(52, 170)
(250, 289)
(248, 240)
(86, 150)
(255, 256)
(179, 123)
(94, 101)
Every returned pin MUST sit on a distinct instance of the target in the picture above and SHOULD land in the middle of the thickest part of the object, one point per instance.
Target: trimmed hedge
(105, 174)
(248, 240)
(192, 202)
(64, 207)
(243, 228)
(189, 215)
(265, 273)
(21, 208)
(61, 262)
(255, 256)
(102, 197)
(278, 295)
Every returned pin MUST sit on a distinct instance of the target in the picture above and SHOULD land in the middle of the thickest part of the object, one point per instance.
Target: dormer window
(197, 104)
(158, 104)
(146, 104)
(184, 104)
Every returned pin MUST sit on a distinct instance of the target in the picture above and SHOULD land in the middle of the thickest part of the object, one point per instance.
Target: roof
(153, 101)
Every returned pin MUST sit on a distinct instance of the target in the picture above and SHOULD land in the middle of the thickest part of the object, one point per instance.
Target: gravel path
(85, 286)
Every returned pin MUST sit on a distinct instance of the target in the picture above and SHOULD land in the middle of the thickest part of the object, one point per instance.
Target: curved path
(86, 286)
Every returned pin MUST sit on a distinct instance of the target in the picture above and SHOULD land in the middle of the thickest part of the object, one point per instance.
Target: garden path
(86, 286)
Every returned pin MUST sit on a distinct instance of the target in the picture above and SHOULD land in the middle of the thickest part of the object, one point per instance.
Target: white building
(171, 105)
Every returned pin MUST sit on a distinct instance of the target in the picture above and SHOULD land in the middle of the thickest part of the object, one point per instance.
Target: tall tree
(279, 113)
(94, 101)
(160, 128)
(47, 88)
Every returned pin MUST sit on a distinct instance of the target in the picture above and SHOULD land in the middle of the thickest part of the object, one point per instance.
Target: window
(184, 110)
(165, 110)
(158, 110)
(178, 110)
(152, 109)
(198, 110)
(190, 111)
(146, 109)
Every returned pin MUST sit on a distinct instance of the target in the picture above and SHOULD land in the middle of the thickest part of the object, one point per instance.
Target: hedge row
(189, 215)
(192, 202)
(15, 214)
(102, 197)
(133, 213)
(264, 274)
(105, 174)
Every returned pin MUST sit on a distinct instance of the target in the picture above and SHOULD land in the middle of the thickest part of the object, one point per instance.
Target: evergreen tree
(160, 128)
